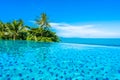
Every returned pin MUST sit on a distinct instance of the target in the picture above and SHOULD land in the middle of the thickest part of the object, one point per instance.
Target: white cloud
(85, 31)
(32, 21)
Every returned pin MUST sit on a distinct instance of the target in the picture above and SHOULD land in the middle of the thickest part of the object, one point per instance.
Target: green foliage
(39, 34)
(16, 30)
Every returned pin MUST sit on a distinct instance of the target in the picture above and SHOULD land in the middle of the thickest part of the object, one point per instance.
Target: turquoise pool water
(25, 60)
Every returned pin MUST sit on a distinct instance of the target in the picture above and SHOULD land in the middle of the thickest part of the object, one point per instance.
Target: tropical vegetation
(16, 30)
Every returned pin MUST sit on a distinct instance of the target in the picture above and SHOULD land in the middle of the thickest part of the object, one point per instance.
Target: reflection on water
(43, 50)
(19, 48)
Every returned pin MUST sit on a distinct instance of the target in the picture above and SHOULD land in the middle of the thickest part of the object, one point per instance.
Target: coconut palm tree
(1, 29)
(32, 34)
(16, 28)
(43, 21)
(44, 29)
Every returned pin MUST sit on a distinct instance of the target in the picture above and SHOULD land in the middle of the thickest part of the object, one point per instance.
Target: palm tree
(43, 21)
(44, 29)
(32, 34)
(1, 29)
(16, 28)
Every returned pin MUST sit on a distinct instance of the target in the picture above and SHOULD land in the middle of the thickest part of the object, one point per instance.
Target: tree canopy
(16, 30)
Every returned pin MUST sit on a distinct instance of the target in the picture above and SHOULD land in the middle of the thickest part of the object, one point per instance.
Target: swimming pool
(27, 60)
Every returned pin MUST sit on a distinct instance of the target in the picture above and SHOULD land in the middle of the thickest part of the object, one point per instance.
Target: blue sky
(87, 18)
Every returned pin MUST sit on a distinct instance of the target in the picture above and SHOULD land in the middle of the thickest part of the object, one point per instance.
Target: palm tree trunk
(14, 37)
(41, 35)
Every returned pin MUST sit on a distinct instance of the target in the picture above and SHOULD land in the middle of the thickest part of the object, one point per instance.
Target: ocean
(93, 41)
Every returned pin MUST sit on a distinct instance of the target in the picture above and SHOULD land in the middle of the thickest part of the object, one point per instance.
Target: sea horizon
(93, 41)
